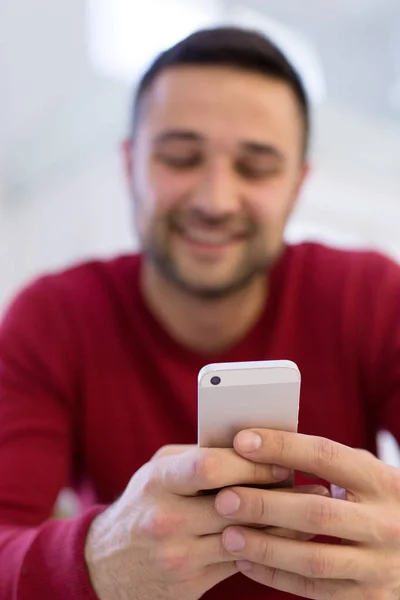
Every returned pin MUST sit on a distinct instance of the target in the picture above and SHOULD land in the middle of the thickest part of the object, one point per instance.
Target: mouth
(209, 241)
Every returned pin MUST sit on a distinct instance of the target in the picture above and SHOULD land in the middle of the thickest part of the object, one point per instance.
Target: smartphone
(236, 396)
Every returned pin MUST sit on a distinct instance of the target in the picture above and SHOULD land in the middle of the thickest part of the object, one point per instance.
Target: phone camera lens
(215, 380)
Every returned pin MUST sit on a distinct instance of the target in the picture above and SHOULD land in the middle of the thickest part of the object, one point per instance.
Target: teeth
(208, 237)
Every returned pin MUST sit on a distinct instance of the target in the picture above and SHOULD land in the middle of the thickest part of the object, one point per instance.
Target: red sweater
(91, 386)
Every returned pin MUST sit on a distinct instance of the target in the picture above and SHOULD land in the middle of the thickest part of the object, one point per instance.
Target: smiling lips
(209, 239)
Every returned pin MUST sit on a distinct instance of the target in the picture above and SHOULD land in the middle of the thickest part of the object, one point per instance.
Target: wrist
(97, 553)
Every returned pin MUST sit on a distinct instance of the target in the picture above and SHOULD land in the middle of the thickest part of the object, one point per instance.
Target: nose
(217, 193)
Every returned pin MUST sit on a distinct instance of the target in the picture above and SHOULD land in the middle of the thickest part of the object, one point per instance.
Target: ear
(304, 172)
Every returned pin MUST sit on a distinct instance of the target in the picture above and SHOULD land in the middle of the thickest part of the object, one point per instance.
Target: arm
(39, 558)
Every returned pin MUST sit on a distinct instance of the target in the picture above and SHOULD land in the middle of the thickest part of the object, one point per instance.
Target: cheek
(153, 194)
(271, 204)
(168, 189)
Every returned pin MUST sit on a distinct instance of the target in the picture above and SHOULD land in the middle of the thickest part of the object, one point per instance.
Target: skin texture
(367, 563)
(162, 539)
(215, 169)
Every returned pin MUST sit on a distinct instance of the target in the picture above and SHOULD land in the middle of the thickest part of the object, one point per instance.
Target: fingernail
(234, 541)
(227, 503)
(244, 565)
(248, 441)
(280, 473)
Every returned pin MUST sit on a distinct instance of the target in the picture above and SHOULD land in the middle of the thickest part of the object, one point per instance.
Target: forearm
(46, 562)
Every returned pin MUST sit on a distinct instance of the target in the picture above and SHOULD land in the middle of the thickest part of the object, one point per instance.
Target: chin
(216, 290)
(205, 280)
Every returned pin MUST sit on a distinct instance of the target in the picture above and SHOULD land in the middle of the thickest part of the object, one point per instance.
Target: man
(98, 368)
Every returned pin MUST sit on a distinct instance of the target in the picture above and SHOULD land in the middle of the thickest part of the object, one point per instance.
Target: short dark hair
(228, 46)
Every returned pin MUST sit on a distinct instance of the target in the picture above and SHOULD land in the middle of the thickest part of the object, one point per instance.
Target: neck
(207, 326)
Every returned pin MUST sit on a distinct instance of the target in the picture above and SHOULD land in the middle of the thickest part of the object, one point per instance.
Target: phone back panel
(225, 411)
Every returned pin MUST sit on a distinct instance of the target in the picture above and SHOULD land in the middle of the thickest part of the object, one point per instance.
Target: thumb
(342, 494)
(172, 449)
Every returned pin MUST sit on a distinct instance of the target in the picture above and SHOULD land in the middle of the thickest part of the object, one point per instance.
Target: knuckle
(171, 450)
(319, 564)
(280, 440)
(150, 485)
(157, 525)
(172, 560)
(274, 576)
(146, 481)
(319, 513)
(261, 473)
(163, 451)
(207, 469)
(309, 588)
(258, 508)
(326, 452)
(265, 551)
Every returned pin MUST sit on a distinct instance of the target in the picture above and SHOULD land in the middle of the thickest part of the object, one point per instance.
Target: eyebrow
(178, 134)
(262, 149)
(191, 136)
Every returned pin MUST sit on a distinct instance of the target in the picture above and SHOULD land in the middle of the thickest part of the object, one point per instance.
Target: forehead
(223, 103)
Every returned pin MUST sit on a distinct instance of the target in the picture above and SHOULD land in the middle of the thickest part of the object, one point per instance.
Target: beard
(255, 261)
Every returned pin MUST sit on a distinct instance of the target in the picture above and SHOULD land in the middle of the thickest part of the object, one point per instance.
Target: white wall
(84, 211)
(62, 196)
(63, 219)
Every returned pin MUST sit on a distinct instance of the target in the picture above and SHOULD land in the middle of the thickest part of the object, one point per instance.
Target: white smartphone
(236, 396)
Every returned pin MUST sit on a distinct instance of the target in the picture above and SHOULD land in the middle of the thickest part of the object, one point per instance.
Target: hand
(162, 539)
(300, 489)
(366, 566)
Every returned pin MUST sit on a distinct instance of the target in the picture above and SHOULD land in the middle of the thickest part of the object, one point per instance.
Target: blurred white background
(68, 70)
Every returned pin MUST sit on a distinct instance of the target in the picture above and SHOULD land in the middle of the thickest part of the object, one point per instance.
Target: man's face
(215, 167)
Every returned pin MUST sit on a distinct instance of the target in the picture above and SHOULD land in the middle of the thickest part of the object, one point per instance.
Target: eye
(180, 161)
(252, 170)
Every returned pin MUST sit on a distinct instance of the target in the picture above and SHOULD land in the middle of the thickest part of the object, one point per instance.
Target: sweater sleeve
(40, 558)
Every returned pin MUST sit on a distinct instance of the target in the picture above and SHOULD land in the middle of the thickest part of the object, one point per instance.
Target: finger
(201, 469)
(309, 513)
(312, 560)
(339, 492)
(343, 466)
(208, 550)
(201, 517)
(279, 531)
(206, 557)
(194, 557)
(291, 533)
(304, 587)
(366, 452)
